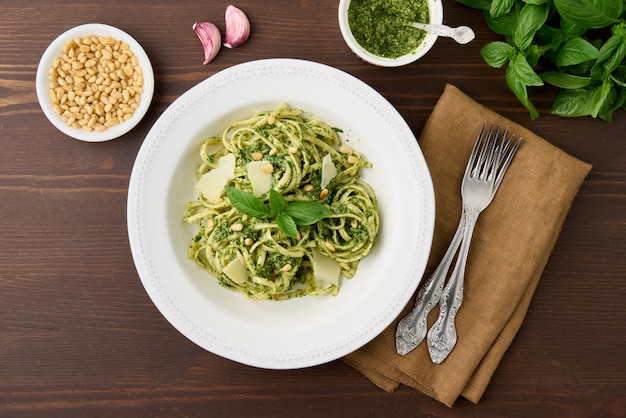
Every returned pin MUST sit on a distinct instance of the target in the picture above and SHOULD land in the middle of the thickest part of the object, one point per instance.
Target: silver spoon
(462, 34)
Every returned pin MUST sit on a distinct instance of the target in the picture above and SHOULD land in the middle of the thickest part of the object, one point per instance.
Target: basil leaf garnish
(288, 214)
(247, 203)
(306, 212)
(287, 225)
(277, 203)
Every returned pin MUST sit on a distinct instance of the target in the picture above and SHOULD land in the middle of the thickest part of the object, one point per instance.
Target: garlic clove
(237, 27)
(210, 37)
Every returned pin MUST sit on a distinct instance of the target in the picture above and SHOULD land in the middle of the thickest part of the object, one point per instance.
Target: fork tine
(484, 162)
(509, 157)
(505, 144)
(492, 157)
(499, 146)
(471, 164)
(481, 154)
(506, 151)
(492, 154)
(503, 152)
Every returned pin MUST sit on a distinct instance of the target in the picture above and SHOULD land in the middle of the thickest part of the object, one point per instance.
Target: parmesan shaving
(211, 184)
(236, 271)
(261, 181)
(326, 269)
(329, 171)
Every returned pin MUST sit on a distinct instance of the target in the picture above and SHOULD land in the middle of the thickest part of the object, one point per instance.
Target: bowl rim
(435, 9)
(54, 51)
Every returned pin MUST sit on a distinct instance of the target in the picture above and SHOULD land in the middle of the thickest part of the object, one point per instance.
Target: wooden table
(79, 336)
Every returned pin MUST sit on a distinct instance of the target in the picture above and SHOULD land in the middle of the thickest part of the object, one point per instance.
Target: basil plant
(579, 45)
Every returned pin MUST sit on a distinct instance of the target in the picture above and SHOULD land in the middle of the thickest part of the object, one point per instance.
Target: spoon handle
(461, 34)
(439, 30)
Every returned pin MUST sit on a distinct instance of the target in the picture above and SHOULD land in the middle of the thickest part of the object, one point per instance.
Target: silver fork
(412, 328)
(488, 163)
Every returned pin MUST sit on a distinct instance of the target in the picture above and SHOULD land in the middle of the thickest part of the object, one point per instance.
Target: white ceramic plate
(55, 49)
(299, 332)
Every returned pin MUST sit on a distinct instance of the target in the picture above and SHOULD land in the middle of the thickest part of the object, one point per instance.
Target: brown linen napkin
(512, 241)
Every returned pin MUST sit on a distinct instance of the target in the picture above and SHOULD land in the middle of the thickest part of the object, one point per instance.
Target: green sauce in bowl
(382, 27)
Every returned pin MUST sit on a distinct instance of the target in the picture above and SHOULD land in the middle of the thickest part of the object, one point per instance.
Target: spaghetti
(305, 161)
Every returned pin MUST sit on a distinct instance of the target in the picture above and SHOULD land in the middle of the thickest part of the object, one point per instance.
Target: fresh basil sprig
(553, 34)
(287, 215)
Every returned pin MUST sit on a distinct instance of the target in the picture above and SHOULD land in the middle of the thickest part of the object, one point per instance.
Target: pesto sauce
(383, 28)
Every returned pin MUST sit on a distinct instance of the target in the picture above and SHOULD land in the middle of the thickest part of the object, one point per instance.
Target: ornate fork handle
(412, 328)
(442, 335)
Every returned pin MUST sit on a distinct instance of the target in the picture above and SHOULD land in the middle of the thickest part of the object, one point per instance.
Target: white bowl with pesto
(351, 31)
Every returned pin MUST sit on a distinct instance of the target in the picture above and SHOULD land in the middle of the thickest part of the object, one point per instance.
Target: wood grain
(78, 334)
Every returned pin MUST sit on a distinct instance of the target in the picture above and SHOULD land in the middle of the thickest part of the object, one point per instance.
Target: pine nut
(323, 194)
(344, 149)
(308, 187)
(256, 156)
(268, 169)
(286, 268)
(329, 246)
(237, 227)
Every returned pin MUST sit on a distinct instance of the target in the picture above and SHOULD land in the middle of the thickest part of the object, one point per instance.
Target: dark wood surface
(79, 337)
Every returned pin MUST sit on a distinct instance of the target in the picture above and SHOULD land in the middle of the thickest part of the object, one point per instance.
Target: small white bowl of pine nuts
(95, 82)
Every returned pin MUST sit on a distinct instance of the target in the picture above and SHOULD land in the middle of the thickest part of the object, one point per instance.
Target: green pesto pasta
(294, 150)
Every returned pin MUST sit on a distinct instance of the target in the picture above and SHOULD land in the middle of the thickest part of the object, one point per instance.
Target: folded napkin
(512, 241)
